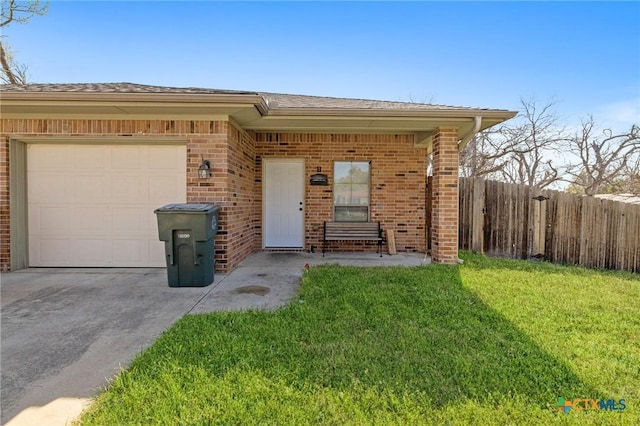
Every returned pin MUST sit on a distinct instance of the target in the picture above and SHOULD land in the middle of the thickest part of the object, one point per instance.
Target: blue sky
(584, 55)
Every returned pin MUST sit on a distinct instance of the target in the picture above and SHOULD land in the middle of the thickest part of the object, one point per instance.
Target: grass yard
(492, 341)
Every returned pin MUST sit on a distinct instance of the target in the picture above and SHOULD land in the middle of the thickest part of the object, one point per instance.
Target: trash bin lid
(187, 208)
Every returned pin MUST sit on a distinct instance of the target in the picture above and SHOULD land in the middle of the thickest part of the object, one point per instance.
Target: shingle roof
(115, 88)
(303, 101)
(274, 100)
(623, 198)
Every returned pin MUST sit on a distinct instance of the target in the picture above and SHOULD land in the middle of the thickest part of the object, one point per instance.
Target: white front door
(284, 203)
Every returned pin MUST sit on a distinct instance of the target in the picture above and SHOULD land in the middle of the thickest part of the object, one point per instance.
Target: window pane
(359, 173)
(341, 171)
(351, 191)
(351, 214)
(342, 194)
(360, 194)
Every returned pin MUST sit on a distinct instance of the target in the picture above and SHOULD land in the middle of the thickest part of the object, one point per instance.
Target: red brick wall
(397, 179)
(241, 198)
(397, 182)
(444, 226)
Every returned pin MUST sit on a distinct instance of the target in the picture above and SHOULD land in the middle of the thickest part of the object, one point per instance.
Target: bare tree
(631, 176)
(536, 138)
(18, 12)
(520, 151)
(603, 157)
(483, 156)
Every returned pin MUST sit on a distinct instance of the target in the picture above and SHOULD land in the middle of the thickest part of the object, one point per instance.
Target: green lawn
(492, 341)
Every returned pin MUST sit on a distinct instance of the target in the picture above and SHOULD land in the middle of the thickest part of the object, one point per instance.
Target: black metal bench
(352, 231)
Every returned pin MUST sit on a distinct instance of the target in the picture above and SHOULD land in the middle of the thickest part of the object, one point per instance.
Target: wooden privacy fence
(519, 221)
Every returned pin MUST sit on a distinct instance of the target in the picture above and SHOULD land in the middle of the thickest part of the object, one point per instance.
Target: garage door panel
(90, 157)
(164, 189)
(51, 251)
(90, 251)
(129, 252)
(51, 157)
(166, 158)
(156, 252)
(129, 158)
(129, 189)
(49, 220)
(54, 220)
(131, 221)
(91, 221)
(50, 185)
(89, 189)
(101, 215)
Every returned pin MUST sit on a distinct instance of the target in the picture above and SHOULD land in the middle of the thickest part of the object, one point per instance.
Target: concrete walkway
(66, 331)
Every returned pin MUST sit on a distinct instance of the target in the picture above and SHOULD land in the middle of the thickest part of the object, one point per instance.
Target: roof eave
(408, 113)
(192, 98)
(263, 112)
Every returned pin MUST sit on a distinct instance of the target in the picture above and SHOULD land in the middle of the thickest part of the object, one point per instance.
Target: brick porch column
(444, 211)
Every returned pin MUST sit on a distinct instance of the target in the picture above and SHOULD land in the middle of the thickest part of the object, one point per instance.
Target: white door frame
(265, 161)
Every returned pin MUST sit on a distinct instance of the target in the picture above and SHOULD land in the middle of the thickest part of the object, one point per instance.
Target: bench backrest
(352, 229)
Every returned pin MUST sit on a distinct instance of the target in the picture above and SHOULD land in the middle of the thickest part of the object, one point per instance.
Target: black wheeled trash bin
(188, 232)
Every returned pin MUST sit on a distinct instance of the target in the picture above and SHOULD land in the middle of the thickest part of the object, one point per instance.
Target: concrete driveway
(66, 331)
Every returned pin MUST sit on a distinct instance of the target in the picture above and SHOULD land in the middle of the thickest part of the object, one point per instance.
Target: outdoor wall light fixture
(204, 171)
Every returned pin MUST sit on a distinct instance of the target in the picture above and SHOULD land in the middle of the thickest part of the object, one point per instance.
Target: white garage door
(92, 205)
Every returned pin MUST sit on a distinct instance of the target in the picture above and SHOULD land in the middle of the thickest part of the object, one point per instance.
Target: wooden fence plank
(466, 220)
(505, 220)
(477, 215)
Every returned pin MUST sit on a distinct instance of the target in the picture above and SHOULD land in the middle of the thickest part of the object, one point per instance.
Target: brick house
(82, 166)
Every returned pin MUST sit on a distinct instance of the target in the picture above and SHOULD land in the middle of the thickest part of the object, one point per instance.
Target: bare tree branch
(520, 151)
(602, 158)
(19, 12)
(12, 73)
(7, 74)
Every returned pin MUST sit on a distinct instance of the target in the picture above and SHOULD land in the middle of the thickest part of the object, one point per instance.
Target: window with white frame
(351, 191)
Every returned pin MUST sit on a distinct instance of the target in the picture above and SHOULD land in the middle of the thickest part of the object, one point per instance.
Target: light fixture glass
(204, 171)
